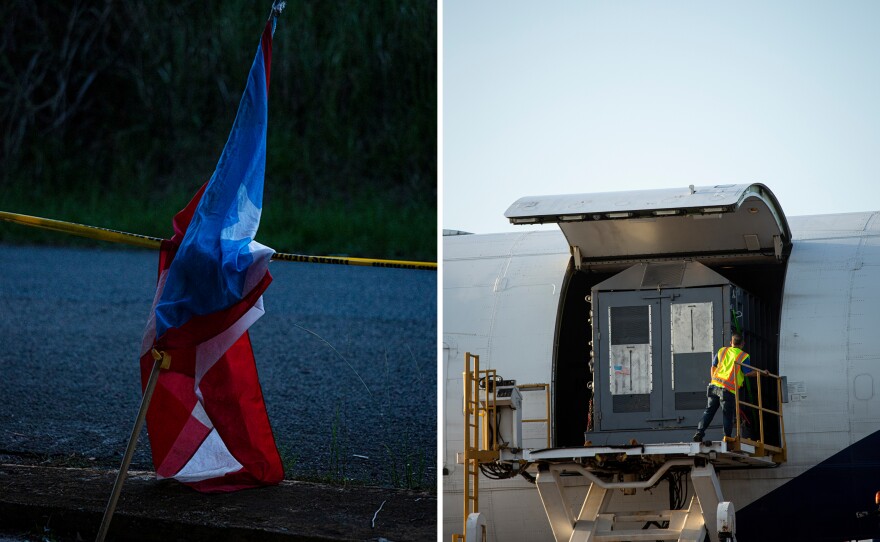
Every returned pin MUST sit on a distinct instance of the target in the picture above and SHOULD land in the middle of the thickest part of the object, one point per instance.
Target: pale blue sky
(575, 97)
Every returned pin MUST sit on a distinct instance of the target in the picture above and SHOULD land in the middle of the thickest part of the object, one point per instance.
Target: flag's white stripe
(198, 412)
(210, 351)
(257, 270)
(212, 460)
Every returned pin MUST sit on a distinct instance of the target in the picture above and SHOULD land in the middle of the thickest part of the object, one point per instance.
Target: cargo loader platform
(721, 454)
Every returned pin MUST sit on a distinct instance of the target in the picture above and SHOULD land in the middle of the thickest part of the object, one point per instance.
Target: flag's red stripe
(234, 481)
(170, 408)
(234, 402)
(184, 217)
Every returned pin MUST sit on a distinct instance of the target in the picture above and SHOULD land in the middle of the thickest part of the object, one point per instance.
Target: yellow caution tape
(144, 241)
(92, 232)
(342, 260)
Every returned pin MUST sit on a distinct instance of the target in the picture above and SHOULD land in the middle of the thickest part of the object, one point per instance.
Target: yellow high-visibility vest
(722, 373)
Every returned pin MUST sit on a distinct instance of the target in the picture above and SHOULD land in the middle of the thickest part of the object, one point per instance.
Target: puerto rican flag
(207, 421)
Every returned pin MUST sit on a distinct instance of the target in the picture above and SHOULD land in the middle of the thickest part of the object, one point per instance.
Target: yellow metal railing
(762, 448)
(480, 433)
(546, 418)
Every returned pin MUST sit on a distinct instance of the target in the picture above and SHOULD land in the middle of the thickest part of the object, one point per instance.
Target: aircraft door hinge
(777, 246)
(576, 254)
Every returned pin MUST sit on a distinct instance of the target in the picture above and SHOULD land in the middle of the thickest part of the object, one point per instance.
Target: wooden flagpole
(161, 361)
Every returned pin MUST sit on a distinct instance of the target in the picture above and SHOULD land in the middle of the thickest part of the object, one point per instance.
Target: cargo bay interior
(656, 284)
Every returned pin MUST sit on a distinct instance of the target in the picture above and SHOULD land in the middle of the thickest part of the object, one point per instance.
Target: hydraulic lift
(490, 416)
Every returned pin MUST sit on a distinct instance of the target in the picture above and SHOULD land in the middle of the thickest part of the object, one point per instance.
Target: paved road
(70, 330)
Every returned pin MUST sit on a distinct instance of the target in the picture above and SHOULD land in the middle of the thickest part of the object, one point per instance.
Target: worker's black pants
(727, 402)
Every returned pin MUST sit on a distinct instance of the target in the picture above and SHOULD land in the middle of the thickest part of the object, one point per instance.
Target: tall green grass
(114, 113)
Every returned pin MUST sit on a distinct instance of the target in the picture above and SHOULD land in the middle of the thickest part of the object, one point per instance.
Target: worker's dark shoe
(698, 437)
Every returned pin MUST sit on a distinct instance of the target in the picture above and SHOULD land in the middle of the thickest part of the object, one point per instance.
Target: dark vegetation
(113, 113)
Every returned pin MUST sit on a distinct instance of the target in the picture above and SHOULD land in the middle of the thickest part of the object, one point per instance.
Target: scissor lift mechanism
(708, 515)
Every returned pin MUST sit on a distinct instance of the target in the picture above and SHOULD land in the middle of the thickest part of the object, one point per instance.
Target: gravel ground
(346, 355)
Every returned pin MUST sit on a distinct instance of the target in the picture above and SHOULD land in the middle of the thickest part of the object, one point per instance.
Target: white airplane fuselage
(503, 299)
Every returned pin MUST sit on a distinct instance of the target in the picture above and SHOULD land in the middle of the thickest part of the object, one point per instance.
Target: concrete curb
(69, 503)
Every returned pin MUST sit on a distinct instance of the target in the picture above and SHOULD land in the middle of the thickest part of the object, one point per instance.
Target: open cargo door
(742, 222)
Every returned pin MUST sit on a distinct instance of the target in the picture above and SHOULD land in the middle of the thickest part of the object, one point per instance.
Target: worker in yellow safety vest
(727, 377)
